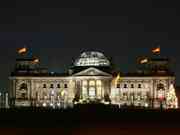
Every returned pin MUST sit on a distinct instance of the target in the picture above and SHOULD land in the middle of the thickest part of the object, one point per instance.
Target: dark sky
(58, 31)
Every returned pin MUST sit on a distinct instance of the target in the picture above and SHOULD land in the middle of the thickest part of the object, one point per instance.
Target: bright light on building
(80, 101)
(44, 104)
(36, 60)
(75, 102)
(92, 59)
(91, 78)
(143, 61)
(146, 105)
(22, 50)
(58, 104)
(105, 102)
(52, 92)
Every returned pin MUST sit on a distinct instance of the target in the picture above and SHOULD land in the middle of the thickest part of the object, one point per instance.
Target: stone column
(12, 91)
(7, 101)
(102, 89)
(77, 91)
(88, 88)
(80, 90)
(71, 90)
(95, 88)
(29, 89)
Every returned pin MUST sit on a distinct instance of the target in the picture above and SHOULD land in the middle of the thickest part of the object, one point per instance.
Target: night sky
(59, 31)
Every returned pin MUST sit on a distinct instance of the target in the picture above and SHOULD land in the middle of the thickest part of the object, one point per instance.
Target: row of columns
(104, 88)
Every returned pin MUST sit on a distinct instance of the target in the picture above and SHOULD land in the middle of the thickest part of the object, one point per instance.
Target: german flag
(22, 50)
(143, 61)
(117, 77)
(156, 50)
(36, 60)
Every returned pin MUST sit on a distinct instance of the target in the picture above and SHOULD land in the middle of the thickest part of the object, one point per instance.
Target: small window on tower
(132, 85)
(139, 85)
(44, 85)
(118, 85)
(51, 86)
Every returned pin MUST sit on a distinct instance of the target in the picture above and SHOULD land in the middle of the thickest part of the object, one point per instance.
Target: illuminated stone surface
(30, 86)
(92, 59)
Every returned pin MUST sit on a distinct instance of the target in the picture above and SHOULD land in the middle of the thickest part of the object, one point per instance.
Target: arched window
(132, 85)
(51, 86)
(160, 86)
(58, 85)
(160, 91)
(23, 91)
(23, 86)
(139, 86)
(65, 85)
(125, 85)
(91, 83)
(44, 85)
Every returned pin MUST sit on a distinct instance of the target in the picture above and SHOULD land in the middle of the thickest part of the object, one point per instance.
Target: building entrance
(92, 92)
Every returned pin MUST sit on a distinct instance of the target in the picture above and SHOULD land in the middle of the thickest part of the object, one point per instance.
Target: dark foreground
(89, 120)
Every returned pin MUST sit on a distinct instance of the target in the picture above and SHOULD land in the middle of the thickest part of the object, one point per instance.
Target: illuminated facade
(92, 79)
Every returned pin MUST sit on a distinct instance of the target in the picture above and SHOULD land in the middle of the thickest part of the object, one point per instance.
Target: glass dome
(92, 59)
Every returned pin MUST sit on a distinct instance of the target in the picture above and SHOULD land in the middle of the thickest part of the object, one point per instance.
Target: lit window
(99, 88)
(161, 93)
(84, 83)
(92, 92)
(98, 82)
(84, 88)
(125, 96)
(52, 92)
(139, 85)
(92, 83)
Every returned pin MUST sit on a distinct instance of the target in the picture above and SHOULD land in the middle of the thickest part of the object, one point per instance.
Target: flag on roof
(143, 61)
(36, 60)
(156, 50)
(22, 50)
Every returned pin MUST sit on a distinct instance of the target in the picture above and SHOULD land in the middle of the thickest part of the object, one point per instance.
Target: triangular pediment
(92, 72)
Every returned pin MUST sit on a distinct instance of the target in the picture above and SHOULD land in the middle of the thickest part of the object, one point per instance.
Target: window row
(126, 86)
(57, 86)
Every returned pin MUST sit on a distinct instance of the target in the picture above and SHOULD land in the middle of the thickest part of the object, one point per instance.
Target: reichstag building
(91, 79)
